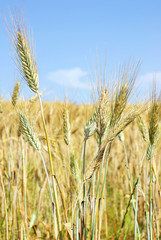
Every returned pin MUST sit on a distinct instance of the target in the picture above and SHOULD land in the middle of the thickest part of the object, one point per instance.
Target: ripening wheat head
(142, 128)
(154, 122)
(1, 108)
(126, 83)
(28, 67)
(15, 93)
(66, 124)
(90, 126)
(28, 133)
(120, 103)
(103, 112)
(119, 127)
(24, 55)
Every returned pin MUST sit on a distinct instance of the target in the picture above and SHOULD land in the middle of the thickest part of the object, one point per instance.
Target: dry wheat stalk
(15, 93)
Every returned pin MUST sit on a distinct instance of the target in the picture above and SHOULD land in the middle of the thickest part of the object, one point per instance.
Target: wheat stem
(51, 167)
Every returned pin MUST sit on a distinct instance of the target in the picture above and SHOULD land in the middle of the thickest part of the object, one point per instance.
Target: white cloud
(71, 78)
(148, 78)
(146, 82)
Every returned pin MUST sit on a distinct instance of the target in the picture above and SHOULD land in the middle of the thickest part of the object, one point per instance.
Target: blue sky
(70, 35)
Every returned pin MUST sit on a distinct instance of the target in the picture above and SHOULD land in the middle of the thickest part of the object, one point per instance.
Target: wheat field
(78, 171)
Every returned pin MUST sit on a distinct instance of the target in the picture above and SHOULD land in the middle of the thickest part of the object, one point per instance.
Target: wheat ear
(90, 126)
(154, 122)
(102, 112)
(28, 67)
(15, 93)
(142, 128)
(28, 133)
(120, 103)
(66, 125)
(112, 135)
(1, 108)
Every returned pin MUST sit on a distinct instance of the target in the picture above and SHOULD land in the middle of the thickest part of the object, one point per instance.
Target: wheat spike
(154, 122)
(75, 171)
(1, 108)
(28, 133)
(90, 127)
(112, 135)
(103, 112)
(120, 103)
(28, 67)
(15, 93)
(152, 147)
(124, 122)
(66, 125)
(142, 128)
(35, 98)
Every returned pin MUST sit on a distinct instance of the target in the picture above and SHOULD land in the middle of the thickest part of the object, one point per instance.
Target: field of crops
(72, 171)
(26, 208)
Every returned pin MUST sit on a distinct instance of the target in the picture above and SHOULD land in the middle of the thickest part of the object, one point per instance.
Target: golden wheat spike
(154, 122)
(120, 103)
(66, 125)
(142, 128)
(15, 93)
(103, 112)
(125, 121)
(1, 108)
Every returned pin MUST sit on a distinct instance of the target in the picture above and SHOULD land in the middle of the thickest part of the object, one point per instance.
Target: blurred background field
(24, 198)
